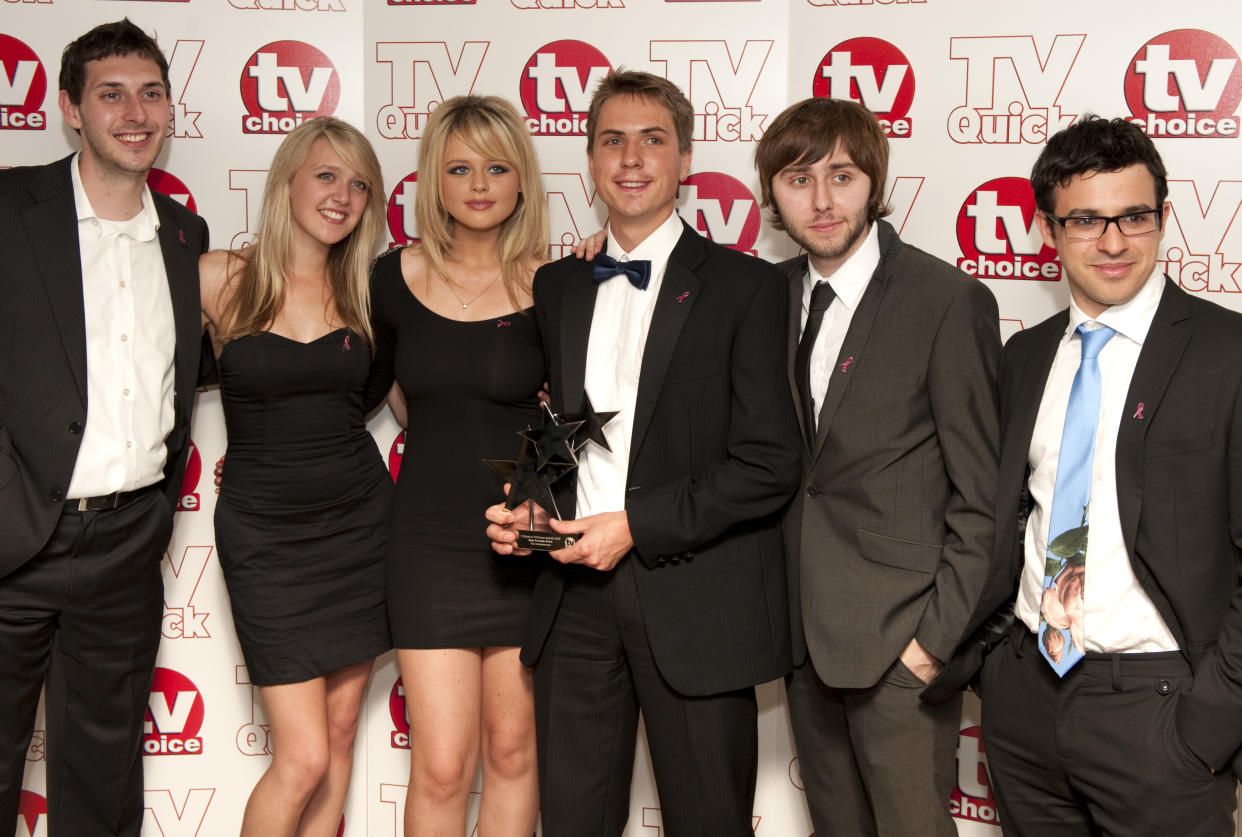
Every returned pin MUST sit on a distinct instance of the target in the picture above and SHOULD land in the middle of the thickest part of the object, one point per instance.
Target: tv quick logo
(176, 816)
(568, 4)
(401, 224)
(181, 64)
(37, 749)
(1185, 83)
(254, 738)
(1202, 239)
(971, 798)
(556, 87)
(719, 86)
(571, 213)
(421, 76)
(1012, 90)
(31, 815)
(395, 453)
(722, 208)
(23, 84)
(998, 235)
(182, 575)
(873, 73)
(290, 5)
(250, 183)
(431, 2)
(283, 84)
(399, 738)
(174, 716)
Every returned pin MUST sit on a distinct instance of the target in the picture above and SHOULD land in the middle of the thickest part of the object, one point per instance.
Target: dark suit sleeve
(1210, 715)
(761, 468)
(962, 389)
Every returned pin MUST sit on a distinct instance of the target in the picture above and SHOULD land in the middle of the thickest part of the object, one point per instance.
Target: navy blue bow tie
(638, 271)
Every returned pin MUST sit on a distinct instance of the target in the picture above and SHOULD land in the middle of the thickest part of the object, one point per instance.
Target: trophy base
(544, 541)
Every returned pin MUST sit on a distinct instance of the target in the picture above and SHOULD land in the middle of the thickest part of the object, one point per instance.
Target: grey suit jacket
(43, 348)
(891, 535)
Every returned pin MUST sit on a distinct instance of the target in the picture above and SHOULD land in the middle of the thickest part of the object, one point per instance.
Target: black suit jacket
(891, 537)
(713, 459)
(43, 348)
(1179, 494)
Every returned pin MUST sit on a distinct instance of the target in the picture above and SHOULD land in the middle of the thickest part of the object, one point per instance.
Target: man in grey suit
(100, 335)
(892, 359)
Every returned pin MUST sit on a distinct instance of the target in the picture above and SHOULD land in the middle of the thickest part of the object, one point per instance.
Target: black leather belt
(107, 502)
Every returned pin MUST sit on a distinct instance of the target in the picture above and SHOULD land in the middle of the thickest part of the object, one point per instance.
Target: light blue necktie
(1061, 635)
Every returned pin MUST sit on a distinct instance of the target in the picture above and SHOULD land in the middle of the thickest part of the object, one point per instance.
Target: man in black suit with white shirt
(99, 353)
(673, 599)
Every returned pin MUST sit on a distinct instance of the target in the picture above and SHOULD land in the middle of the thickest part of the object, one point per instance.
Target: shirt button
(125, 391)
(129, 444)
(124, 338)
(122, 283)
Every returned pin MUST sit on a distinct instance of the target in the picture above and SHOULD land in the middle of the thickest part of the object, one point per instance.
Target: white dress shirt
(130, 341)
(1118, 615)
(619, 326)
(848, 283)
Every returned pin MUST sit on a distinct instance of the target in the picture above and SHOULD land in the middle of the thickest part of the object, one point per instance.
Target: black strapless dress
(302, 517)
(469, 388)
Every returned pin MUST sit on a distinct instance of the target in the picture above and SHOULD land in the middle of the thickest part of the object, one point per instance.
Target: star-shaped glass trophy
(549, 453)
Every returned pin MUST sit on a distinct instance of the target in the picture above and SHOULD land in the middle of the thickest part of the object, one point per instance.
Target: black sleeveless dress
(469, 388)
(302, 517)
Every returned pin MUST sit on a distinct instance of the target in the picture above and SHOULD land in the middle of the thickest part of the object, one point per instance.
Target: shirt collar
(850, 279)
(1131, 319)
(142, 227)
(656, 247)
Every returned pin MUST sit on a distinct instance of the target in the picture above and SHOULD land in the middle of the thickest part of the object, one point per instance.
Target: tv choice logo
(173, 817)
(395, 453)
(1013, 90)
(400, 735)
(720, 86)
(1202, 248)
(971, 798)
(182, 620)
(1185, 83)
(174, 716)
(290, 5)
(421, 76)
(283, 84)
(181, 64)
(31, 815)
(722, 208)
(556, 87)
(999, 237)
(23, 86)
(873, 73)
(401, 224)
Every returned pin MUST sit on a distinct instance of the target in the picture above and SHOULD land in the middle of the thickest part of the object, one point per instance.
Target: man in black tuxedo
(1114, 706)
(99, 352)
(672, 601)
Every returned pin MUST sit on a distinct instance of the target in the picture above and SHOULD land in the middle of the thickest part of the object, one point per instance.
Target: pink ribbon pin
(502, 323)
(684, 296)
(181, 237)
(1138, 414)
(846, 364)
(347, 342)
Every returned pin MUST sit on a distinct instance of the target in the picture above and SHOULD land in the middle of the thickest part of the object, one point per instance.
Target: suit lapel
(52, 228)
(1027, 382)
(180, 262)
(672, 308)
(1161, 353)
(844, 368)
(797, 273)
(578, 307)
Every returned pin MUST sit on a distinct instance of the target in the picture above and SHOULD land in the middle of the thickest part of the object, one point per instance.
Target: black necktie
(638, 271)
(821, 298)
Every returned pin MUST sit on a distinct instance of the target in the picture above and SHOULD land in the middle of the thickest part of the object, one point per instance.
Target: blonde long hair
(259, 292)
(492, 127)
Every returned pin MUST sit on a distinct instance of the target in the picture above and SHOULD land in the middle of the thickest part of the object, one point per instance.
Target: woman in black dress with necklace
(301, 523)
(453, 312)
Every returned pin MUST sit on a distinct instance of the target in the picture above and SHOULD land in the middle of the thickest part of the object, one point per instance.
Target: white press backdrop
(969, 89)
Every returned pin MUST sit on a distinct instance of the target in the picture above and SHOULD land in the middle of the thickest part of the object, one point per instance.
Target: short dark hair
(1093, 144)
(811, 130)
(120, 37)
(623, 82)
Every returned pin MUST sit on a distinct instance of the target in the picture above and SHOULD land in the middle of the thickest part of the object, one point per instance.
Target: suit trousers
(877, 761)
(84, 615)
(1096, 752)
(595, 674)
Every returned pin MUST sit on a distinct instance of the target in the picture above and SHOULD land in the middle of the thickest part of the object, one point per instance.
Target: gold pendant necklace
(468, 302)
